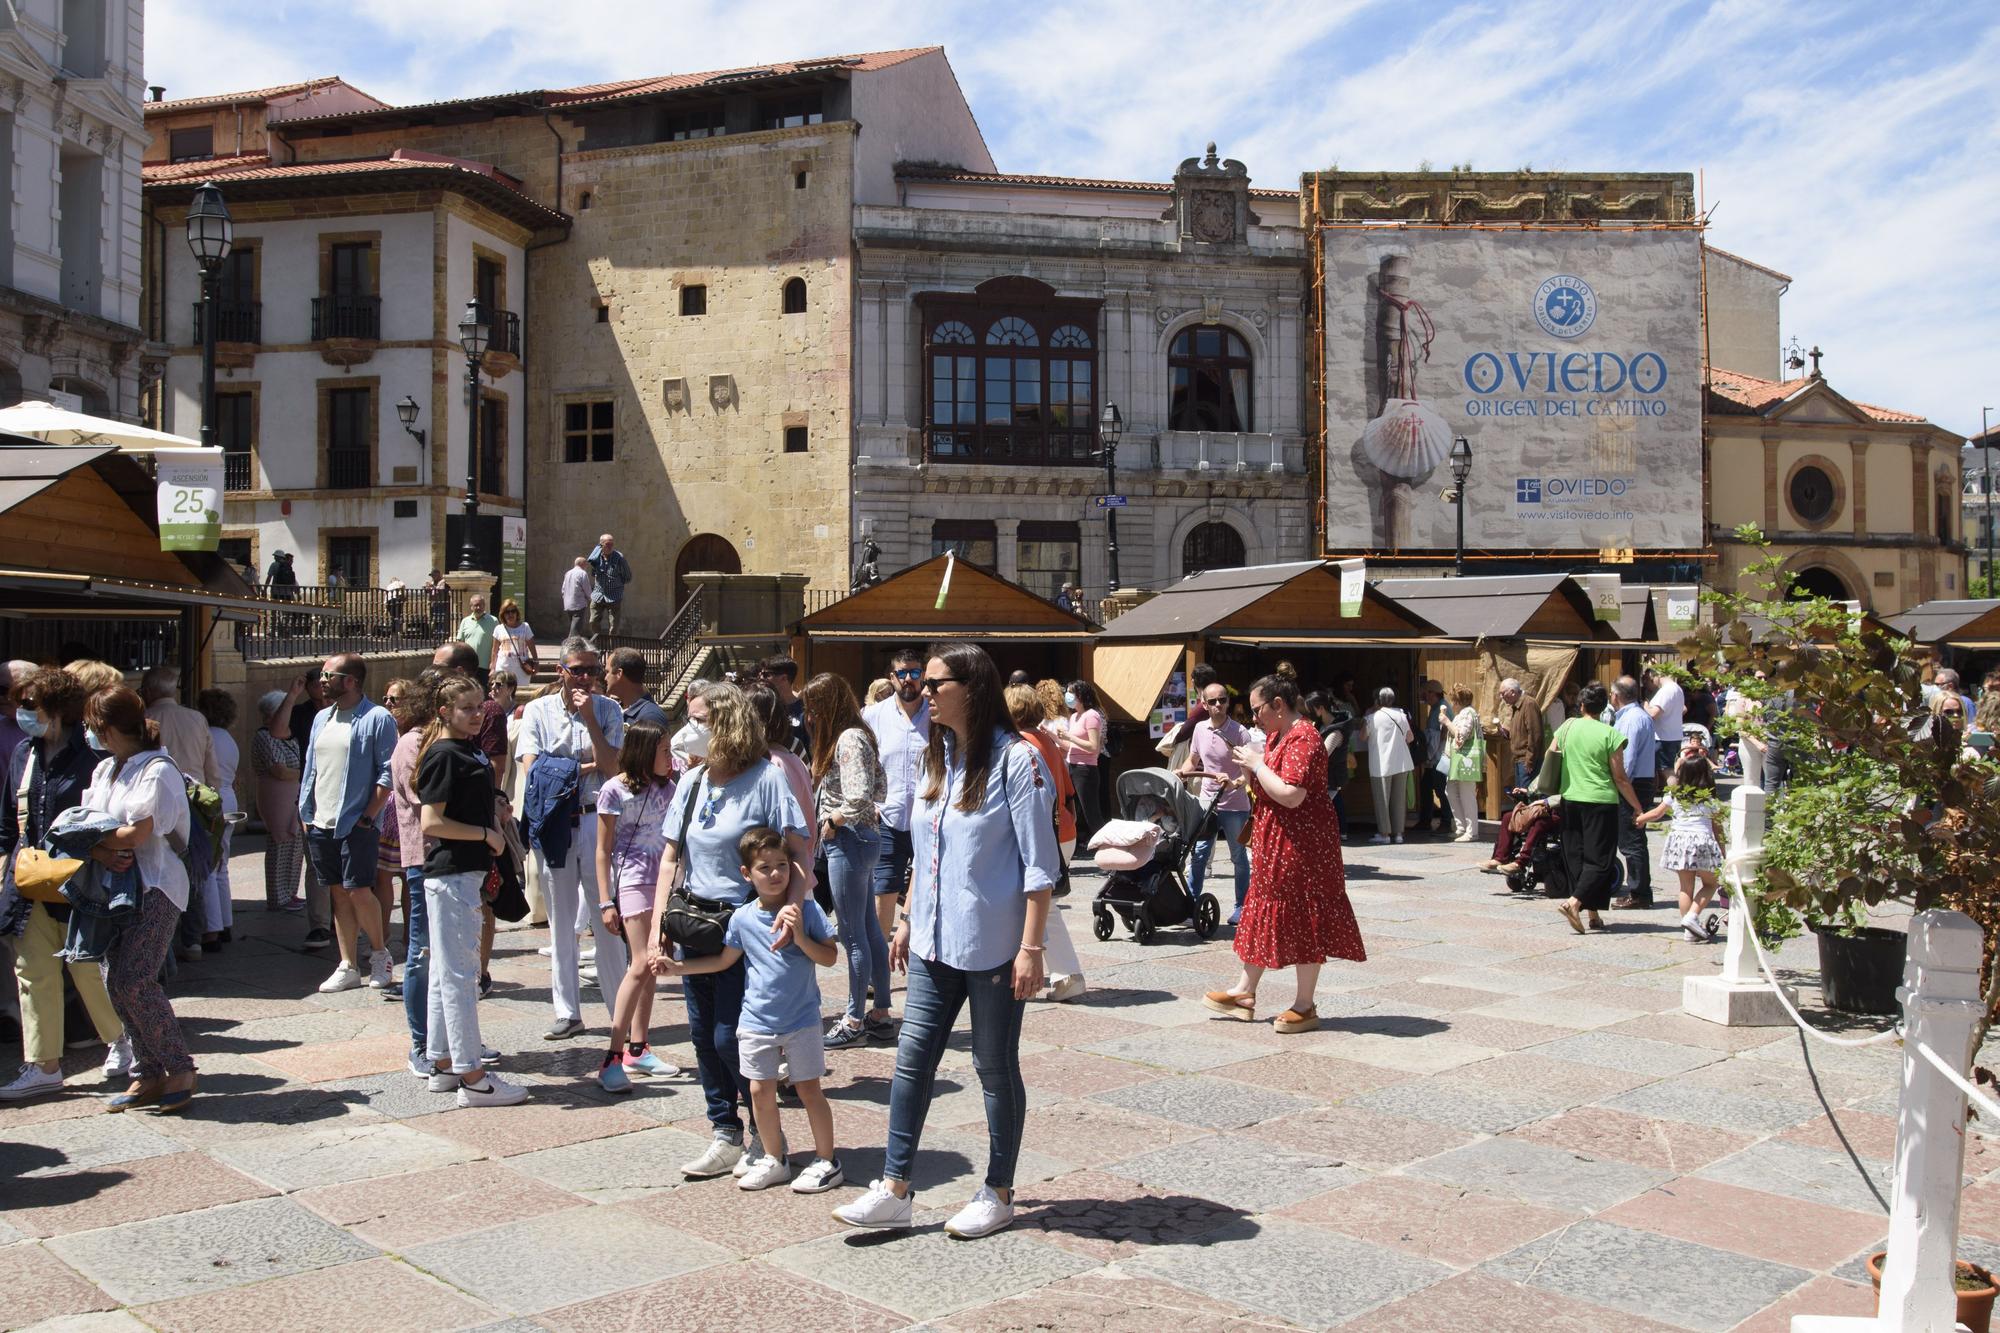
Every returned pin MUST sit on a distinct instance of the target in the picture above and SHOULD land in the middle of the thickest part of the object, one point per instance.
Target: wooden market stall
(855, 636)
(1243, 622)
(82, 573)
(1967, 630)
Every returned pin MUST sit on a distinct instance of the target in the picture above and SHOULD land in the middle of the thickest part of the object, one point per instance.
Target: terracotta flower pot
(1975, 1307)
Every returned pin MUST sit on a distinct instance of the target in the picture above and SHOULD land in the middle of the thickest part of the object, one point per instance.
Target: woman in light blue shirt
(984, 842)
(736, 790)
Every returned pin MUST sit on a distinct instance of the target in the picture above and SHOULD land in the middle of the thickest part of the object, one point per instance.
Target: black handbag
(693, 924)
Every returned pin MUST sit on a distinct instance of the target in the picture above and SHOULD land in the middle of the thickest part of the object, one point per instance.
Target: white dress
(1691, 843)
(508, 650)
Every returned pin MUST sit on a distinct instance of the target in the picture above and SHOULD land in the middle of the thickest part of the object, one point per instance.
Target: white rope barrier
(1986, 1105)
(1740, 902)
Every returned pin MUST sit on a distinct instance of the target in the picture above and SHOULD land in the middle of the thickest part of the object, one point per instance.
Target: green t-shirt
(1587, 746)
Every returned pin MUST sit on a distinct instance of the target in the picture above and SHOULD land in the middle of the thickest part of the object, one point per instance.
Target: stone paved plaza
(1501, 1126)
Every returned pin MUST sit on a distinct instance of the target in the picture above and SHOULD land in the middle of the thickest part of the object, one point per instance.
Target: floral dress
(1297, 911)
(1691, 843)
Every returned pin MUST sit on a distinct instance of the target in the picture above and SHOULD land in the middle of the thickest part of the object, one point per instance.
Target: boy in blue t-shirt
(781, 1018)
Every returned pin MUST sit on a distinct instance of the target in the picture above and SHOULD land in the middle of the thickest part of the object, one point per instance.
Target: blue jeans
(416, 962)
(937, 992)
(892, 871)
(714, 1004)
(850, 867)
(1228, 823)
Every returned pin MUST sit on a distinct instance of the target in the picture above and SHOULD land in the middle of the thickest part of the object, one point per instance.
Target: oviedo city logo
(1565, 306)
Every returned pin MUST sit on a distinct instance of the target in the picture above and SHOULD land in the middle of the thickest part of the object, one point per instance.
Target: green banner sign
(190, 498)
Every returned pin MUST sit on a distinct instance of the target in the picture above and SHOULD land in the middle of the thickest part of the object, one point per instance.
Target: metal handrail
(679, 638)
(361, 620)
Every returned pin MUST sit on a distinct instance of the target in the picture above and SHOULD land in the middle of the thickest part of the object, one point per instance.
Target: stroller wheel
(1142, 926)
(1517, 882)
(1713, 923)
(1100, 924)
(1207, 915)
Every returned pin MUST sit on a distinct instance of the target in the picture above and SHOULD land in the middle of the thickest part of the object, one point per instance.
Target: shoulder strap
(693, 785)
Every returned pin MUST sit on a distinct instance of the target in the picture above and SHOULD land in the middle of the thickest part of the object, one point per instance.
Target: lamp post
(210, 235)
(472, 336)
(1461, 468)
(406, 412)
(1109, 427)
(1986, 491)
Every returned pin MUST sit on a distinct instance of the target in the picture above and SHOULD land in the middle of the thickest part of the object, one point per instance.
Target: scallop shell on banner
(1407, 440)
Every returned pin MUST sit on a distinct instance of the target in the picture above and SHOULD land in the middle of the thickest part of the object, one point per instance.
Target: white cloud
(1854, 147)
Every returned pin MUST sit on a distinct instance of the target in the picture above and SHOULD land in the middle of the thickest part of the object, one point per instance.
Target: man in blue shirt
(1635, 724)
(344, 787)
(609, 574)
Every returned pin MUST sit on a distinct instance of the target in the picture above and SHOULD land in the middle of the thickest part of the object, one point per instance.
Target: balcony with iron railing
(237, 474)
(235, 322)
(333, 619)
(503, 330)
(358, 317)
(348, 470)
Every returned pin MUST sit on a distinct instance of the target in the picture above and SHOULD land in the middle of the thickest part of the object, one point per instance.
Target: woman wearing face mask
(1082, 737)
(45, 776)
(138, 784)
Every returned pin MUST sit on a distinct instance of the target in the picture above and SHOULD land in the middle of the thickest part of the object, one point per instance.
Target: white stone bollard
(1739, 996)
(1941, 1006)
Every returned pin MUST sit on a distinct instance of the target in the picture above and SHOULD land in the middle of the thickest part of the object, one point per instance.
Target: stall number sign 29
(190, 500)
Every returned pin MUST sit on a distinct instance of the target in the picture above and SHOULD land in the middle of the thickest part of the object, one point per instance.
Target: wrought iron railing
(347, 469)
(237, 474)
(680, 640)
(346, 317)
(338, 618)
(503, 329)
(818, 599)
(235, 321)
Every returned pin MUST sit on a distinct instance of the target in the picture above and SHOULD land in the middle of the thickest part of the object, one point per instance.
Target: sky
(1854, 146)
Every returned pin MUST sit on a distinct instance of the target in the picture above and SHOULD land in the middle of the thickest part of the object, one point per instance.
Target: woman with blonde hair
(94, 675)
(1465, 759)
(879, 689)
(737, 789)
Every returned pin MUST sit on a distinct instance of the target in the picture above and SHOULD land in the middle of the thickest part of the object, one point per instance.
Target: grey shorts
(758, 1054)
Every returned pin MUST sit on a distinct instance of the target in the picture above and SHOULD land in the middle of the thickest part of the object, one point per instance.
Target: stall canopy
(58, 425)
(1294, 605)
(1521, 606)
(1961, 623)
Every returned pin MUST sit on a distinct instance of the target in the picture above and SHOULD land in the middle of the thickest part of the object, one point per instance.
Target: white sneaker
(547, 951)
(878, 1210)
(588, 955)
(1380, 840)
(381, 970)
(31, 1082)
(753, 1150)
(1066, 988)
(343, 978)
(982, 1217)
(715, 1160)
(491, 1091)
(1691, 923)
(767, 1171)
(821, 1175)
(1397, 839)
(119, 1059)
(442, 1080)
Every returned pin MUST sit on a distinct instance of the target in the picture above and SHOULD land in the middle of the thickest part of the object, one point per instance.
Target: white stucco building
(70, 87)
(340, 302)
(999, 315)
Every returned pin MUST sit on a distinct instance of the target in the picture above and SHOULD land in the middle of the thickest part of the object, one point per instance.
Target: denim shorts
(348, 861)
(759, 1053)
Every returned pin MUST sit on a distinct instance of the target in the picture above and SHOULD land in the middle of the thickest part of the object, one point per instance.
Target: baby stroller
(1145, 886)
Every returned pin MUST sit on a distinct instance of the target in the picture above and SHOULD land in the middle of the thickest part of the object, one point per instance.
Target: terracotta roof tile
(1057, 182)
(237, 99)
(259, 168)
(1758, 397)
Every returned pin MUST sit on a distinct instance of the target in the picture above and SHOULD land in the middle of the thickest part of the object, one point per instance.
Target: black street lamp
(473, 334)
(1461, 468)
(1109, 427)
(210, 235)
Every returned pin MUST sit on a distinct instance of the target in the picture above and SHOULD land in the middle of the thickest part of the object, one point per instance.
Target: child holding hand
(781, 1010)
(1694, 851)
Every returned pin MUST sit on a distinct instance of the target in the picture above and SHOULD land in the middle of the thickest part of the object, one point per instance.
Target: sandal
(1298, 1020)
(1569, 914)
(1231, 1005)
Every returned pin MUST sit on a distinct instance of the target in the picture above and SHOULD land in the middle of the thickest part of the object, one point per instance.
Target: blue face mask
(90, 739)
(1069, 700)
(28, 720)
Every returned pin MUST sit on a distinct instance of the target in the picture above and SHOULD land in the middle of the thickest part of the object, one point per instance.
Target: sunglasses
(582, 670)
(1215, 703)
(932, 684)
(909, 673)
(333, 675)
(710, 806)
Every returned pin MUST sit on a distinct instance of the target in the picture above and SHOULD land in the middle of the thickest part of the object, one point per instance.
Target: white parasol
(59, 425)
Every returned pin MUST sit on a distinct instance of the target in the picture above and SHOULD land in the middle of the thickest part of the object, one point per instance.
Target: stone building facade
(693, 334)
(1862, 502)
(70, 87)
(1001, 314)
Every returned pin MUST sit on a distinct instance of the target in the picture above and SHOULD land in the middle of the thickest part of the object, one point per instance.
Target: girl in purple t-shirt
(631, 835)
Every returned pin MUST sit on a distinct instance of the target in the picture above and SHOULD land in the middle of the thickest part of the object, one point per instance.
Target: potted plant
(1974, 1286)
(1872, 799)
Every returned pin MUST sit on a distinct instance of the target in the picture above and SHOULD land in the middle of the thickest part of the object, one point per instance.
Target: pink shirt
(1090, 723)
(409, 810)
(799, 778)
(1210, 749)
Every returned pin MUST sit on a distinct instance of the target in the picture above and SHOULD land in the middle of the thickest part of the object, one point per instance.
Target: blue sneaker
(645, 1062)
(612, 1076)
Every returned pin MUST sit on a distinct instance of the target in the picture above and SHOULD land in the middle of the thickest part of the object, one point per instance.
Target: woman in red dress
(1297, 914)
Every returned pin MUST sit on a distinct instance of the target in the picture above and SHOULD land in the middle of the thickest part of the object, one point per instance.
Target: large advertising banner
(1569, 360)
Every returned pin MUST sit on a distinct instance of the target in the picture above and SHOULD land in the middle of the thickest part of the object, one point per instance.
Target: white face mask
(692, 739)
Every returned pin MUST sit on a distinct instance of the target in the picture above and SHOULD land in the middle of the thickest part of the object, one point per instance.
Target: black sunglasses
(932, 684)
(909, 673)
(582, 669)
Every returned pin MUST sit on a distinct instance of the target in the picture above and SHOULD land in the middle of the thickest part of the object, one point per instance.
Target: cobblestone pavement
(1501, 1126)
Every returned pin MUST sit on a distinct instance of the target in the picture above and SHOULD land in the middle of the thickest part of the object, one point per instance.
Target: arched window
(1210, 370)
(1013, 331)
(1212, 546)
(795, 296)
(1022, 392)
(1818, 581)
